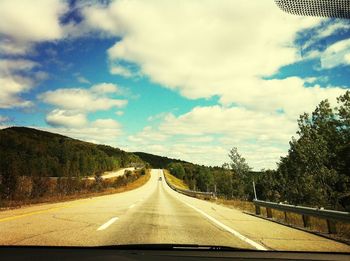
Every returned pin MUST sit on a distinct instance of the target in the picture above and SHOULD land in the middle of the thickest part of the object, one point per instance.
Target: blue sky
(188, 80)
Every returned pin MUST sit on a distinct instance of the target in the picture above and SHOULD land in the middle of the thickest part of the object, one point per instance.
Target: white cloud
(8, 66)
(204, 48)
(10, 88)
(147, 135)
(26, 22)
(158, 116)
(32, 20)
(200, 139)
(8, 46)
(336, 54)
(41, 75)
(327, 28)
(106, 123)
(237, 122)
(101, 18)
(15, 80)
(289, 95)
(120, 70)
(74, 104)
(102, 131)
(105, 88)
(205, 134)
(84, 100)
(82, 79)
(119, 113)
(62, 118)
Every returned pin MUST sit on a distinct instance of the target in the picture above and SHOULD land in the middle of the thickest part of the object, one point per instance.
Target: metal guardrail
(191, 193)
(331, 216)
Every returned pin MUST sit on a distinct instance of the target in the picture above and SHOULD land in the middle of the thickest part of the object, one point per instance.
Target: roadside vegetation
(179, 183)
(83, 188)
(315, 172)
(36, 164)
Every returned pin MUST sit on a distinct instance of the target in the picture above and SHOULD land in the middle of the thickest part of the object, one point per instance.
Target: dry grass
(343, 230)
(61, 198)
(238, 204)
(175, 181)
(292, 218)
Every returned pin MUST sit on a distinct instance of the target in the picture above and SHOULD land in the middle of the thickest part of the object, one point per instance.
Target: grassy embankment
(175, 181)
(109, 186)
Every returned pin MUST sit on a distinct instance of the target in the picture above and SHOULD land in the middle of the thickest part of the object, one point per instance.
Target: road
(152, 213)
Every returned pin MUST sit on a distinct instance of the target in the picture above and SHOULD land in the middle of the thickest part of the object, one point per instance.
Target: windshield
(220, 123)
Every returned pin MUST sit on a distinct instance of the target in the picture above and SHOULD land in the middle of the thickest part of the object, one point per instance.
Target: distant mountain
(156, 161)
(31, 152)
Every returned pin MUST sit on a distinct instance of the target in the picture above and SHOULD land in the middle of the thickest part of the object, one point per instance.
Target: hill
(31, 152)
(156, 161)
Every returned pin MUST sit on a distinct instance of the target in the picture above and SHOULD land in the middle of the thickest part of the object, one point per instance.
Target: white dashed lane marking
(108, 223)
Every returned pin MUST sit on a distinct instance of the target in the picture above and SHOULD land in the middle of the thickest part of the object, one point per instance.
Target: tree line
(29, 157)
(315, 172)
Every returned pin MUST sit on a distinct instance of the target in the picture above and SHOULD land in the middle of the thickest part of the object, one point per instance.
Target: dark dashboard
(14, 253)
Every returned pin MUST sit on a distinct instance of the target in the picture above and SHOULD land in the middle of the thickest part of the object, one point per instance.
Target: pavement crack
(18, 242)
(72, 220)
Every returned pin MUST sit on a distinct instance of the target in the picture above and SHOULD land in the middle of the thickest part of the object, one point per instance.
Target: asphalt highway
(153, 213)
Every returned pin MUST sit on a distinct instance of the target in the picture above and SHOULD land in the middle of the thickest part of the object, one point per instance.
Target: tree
(317, 163)
(205, 179)
(177, 170)
(238, 164)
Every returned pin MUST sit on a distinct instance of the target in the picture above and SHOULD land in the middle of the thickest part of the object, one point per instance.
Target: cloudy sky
(186, 79)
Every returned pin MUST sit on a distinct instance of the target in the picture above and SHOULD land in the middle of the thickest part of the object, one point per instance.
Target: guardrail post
(269, 212)
(257, 210)
(331, 225)
(306, 221)
(331, 216)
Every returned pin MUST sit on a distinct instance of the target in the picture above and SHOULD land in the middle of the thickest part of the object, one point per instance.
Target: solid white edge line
(108, 223)
(228, 229)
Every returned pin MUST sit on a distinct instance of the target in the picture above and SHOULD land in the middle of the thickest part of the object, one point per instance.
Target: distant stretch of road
(113, 174)
(153, 213)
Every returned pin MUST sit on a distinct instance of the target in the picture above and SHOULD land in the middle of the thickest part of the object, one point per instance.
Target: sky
(187, 79)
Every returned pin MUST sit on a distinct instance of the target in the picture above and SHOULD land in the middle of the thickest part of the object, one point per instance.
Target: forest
(28, 157)
(157, 162)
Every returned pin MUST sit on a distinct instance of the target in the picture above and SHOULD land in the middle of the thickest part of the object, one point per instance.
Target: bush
(127, 173)
(24, 188)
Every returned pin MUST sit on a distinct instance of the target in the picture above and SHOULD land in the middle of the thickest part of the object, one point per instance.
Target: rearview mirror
(322, 8)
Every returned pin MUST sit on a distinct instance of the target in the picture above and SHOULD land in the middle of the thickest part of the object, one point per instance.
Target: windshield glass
(220, 123)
